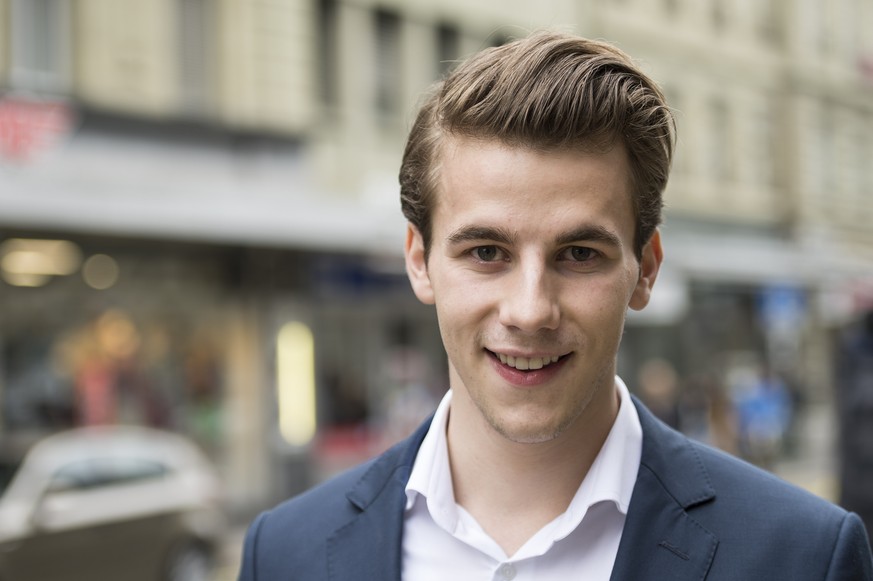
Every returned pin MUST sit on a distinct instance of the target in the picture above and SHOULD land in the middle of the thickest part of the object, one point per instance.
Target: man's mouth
(526, 363)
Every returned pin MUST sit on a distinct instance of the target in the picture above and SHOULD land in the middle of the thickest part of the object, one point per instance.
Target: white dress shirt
(442, 541)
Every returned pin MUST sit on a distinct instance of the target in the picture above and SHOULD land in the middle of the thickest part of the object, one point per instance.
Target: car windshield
(7, 471)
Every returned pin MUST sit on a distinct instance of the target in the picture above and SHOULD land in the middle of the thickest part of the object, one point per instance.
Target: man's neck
(514, 489)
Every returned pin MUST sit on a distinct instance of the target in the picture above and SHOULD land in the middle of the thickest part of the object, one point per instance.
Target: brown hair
(548, 90)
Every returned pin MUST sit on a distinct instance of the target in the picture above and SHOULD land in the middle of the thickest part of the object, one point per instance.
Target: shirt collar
(613, 473)
(431, 475)
(611, 477)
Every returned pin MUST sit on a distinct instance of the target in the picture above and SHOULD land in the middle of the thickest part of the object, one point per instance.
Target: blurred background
(200, 228)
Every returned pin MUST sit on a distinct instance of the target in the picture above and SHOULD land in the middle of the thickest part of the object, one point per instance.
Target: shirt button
(507, 571)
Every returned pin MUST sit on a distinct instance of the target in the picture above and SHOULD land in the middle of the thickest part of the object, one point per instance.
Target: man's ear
(650, 263)
(416, 266)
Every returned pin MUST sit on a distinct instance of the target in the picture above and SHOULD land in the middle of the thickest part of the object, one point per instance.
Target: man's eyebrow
(589, 234)
(474, 233)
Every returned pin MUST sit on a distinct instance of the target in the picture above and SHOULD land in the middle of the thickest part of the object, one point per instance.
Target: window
(196, 48)
(498, 39)
(767, 21)
(762, 146)
(852, 30)
(448, 48)
(817, 14)
(41, 45)
(387, 29)
(672, 7)
(327, 44)
(8, 468)
(720, 163)
(674, 102)
(719, 15)
(857, 152)
(827, 151)
(102, 472)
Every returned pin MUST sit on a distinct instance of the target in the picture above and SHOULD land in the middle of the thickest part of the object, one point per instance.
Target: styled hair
(546, 91)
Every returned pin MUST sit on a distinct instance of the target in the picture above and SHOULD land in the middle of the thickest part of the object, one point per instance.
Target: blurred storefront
(150, 277)
(166, 274)
(742, 329)
(191, 337)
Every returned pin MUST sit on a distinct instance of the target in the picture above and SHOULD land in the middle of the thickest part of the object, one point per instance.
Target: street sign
(31, 126)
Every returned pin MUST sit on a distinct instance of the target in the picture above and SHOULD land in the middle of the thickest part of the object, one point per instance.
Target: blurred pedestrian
(706, 412)
(855, 404)
(658, 385)
(764, 409)
(532, 183)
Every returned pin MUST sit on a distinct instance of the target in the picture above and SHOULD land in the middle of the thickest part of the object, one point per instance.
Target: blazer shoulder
(763, 526)
(322, 506)
(298, 528)
(699, 476)
(293, 536)
(330, 504)
(741, 484)
(776, 527)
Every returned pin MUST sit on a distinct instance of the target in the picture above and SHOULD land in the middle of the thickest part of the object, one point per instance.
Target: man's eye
(486, 253)
(580, 253)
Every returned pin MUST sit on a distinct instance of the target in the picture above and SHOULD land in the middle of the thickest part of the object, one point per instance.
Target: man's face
(532, 270)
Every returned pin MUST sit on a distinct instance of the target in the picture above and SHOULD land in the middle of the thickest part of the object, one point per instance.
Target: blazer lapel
(368, 548)
(660, 540)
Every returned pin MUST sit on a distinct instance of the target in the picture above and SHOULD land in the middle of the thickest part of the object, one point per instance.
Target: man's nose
(530, 301)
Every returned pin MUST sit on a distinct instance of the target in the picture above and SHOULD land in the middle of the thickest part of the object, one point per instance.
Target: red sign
(30, 126)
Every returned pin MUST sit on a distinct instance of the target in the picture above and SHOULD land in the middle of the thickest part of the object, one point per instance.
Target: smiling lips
(526, 363)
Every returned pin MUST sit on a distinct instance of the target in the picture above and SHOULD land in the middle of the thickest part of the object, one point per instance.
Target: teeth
(524, 364)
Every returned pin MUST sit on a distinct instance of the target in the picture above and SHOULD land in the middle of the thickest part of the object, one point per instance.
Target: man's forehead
(485, 186)
(477, 157)
(456, 149)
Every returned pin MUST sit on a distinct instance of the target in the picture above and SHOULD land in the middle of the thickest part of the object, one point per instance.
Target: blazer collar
(660, 540)
(369, 546)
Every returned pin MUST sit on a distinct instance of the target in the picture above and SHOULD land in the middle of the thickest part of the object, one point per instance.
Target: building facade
(212, 171)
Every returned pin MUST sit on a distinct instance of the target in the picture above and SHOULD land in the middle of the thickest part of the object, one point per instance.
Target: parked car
(111, 503)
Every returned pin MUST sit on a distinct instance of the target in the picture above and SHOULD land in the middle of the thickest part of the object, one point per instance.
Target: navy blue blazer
(696, 513)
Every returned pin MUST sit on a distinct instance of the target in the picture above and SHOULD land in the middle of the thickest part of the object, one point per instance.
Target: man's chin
(527, 433)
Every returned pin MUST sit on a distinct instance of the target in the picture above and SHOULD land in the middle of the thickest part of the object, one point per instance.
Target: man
(532, 183)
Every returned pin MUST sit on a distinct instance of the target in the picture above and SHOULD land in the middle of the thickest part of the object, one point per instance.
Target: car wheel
(190, 563)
